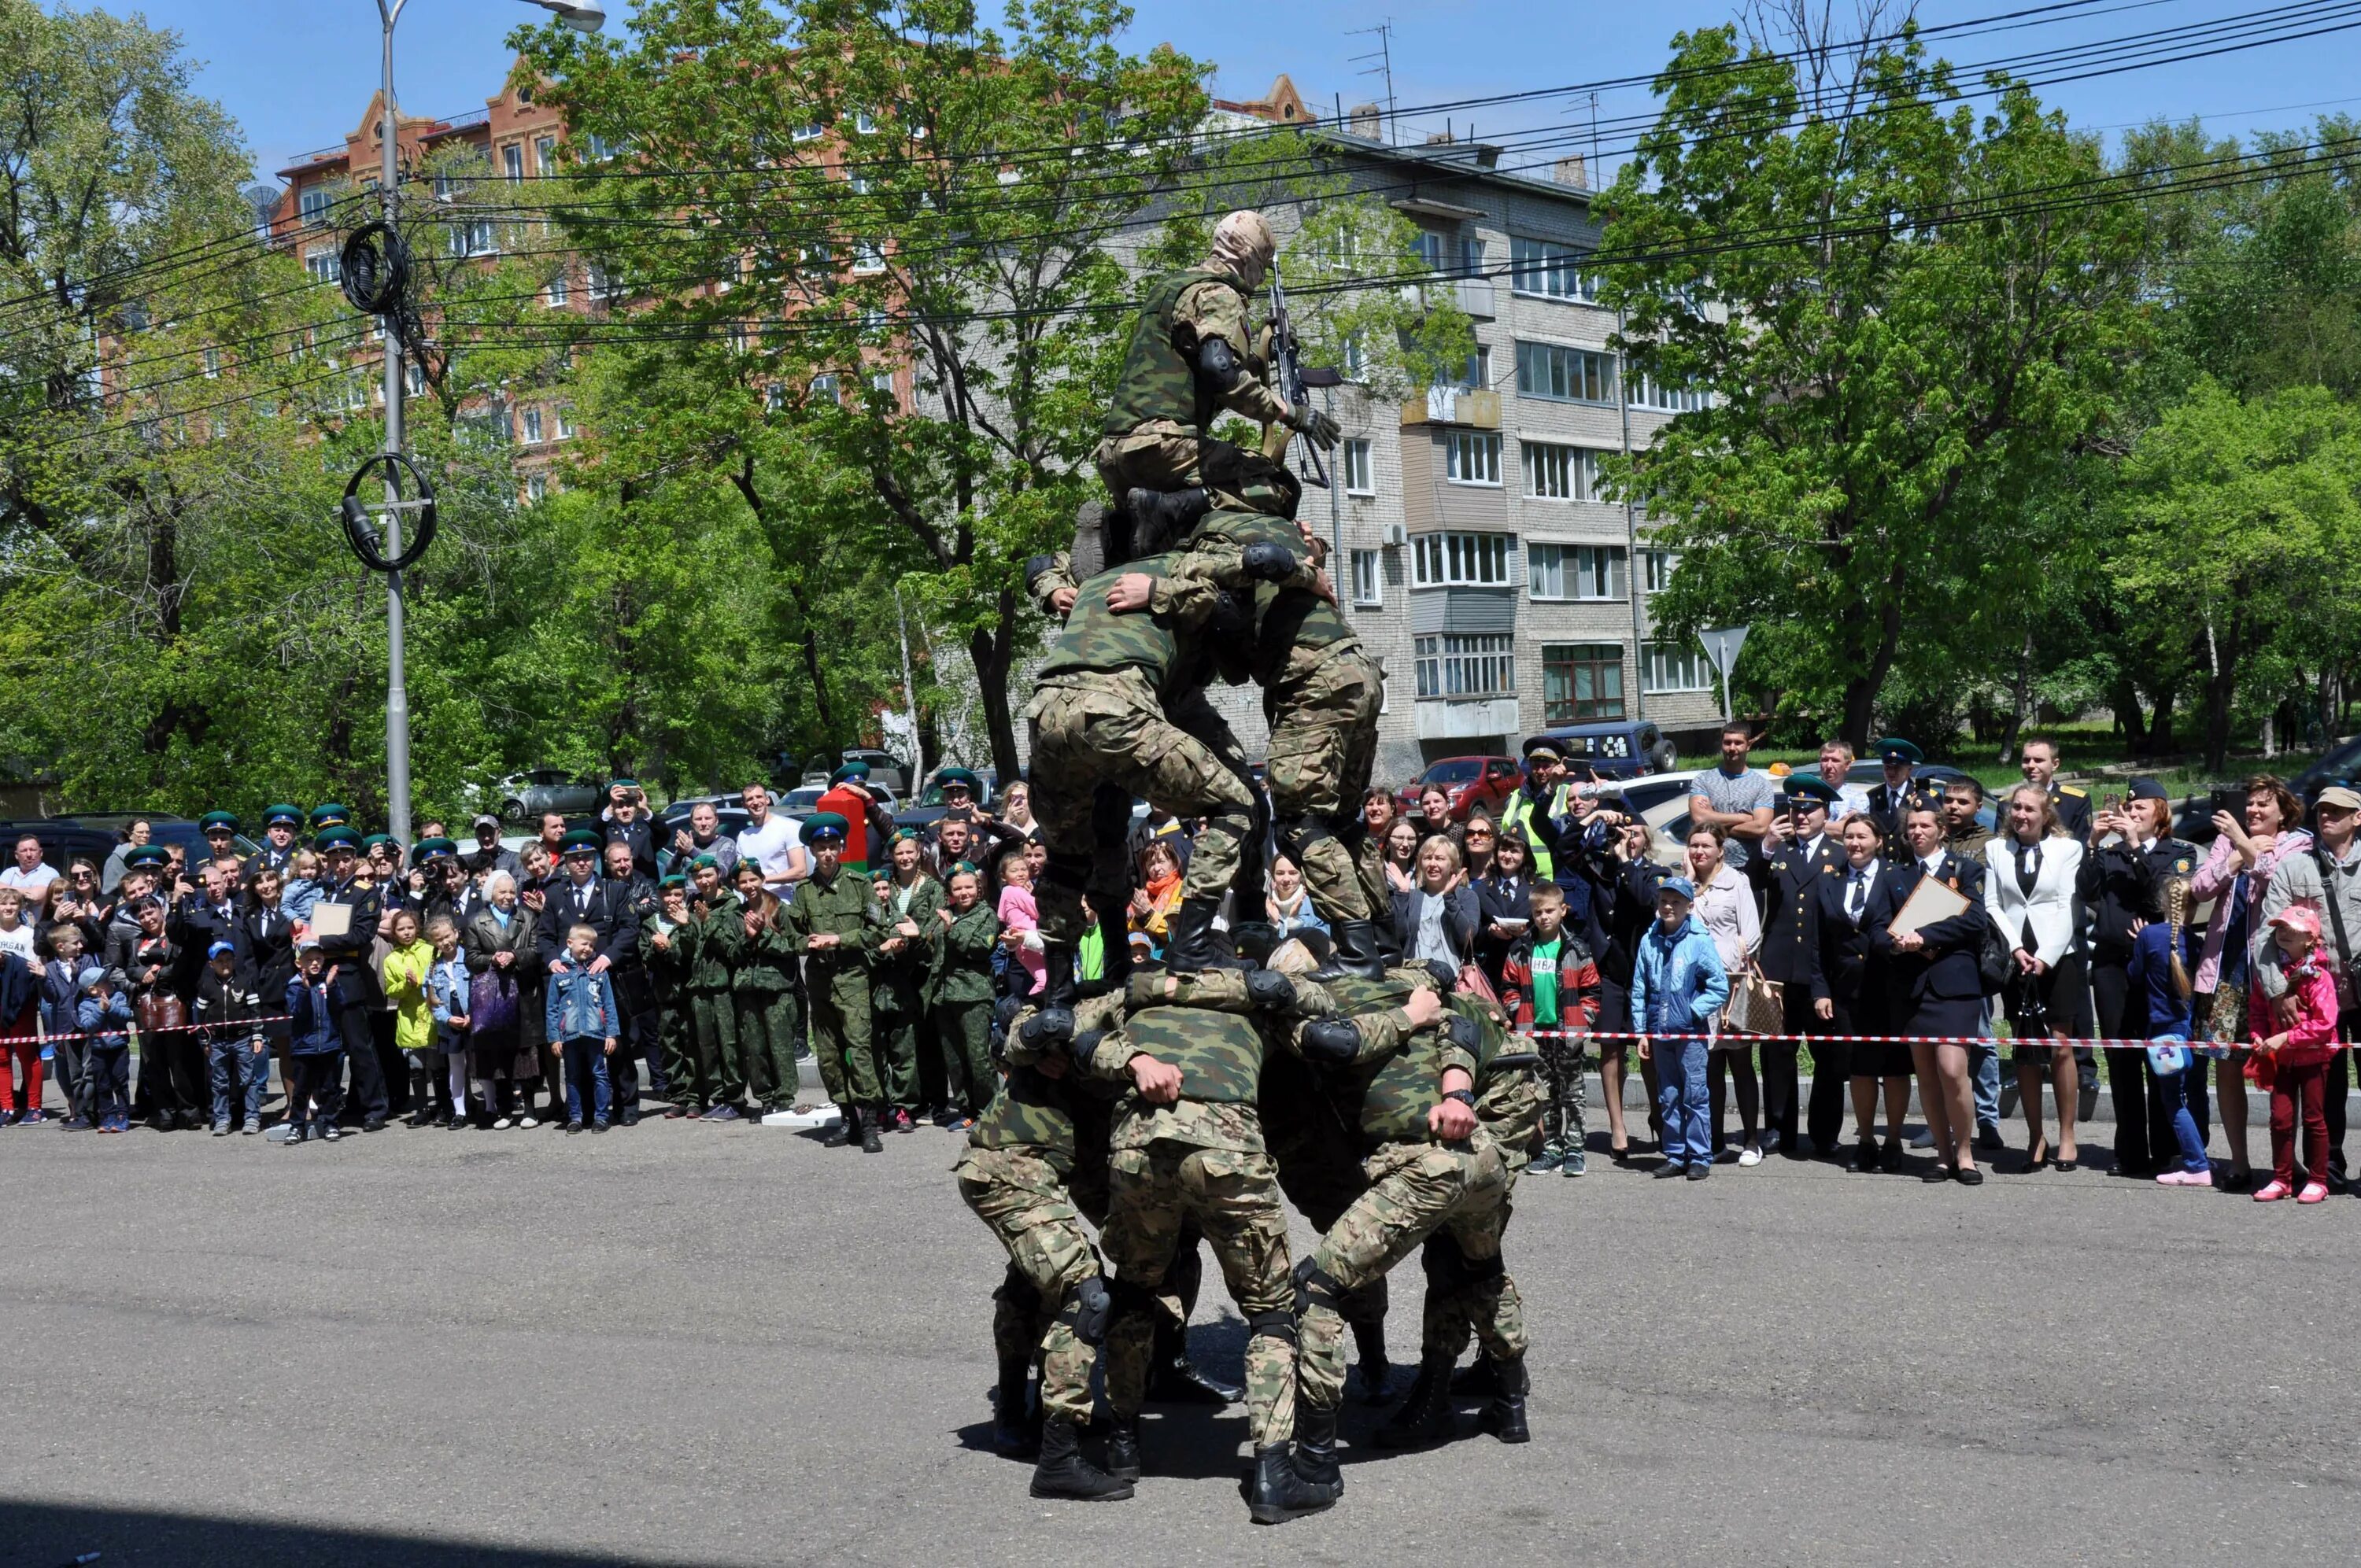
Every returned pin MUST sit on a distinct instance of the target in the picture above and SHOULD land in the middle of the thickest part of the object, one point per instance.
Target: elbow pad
(1463, 1032)
(1269, 988)
(1267, 561)
(1038, 567)
(1081, 1046)
(1051, 1024)
(1218, 363)
(1331, 1041)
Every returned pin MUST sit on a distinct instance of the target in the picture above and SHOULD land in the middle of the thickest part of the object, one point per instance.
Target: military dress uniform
(2073, 803)
(358, 994)
(1786, 878)
(837, 979)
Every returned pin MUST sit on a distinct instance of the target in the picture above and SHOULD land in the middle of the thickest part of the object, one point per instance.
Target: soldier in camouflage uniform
(1192, 356)
(665, 937)
(1430, 1166)
(1188, 1143)
(717, 932)
(834, 922)
(1099, 717)
(1015, 1174)
(902, 970)
(762, 985)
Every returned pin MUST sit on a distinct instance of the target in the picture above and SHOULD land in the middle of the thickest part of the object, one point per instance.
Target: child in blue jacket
(104, 1015)
(315, 1045)
(583, 1029)
(1678, 987)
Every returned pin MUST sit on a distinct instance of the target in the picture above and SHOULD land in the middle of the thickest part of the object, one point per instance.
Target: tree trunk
(2130, 718)
(2159, 727)
(989, 653)
(1861, 691)
(2020, 700)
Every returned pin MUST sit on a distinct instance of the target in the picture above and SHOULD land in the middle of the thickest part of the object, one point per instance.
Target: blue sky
(298, 74)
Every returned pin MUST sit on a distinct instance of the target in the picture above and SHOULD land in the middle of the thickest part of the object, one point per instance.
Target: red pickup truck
(1470, 781)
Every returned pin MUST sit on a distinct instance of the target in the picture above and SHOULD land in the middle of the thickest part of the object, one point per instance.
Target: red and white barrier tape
(1733, 1034)
(134, 1027)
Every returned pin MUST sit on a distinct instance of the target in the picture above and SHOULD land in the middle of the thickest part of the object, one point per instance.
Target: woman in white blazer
(2029, 892)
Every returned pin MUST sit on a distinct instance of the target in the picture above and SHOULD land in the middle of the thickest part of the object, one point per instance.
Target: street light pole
(583, 16)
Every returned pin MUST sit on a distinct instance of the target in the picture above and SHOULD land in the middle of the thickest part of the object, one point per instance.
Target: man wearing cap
(1891, 795)
(626, 821)
(1733, 798)
(489, 854)
(1192, 356)
(866, 823)
(2038, 756)
(581, 897)
(2122, 883)
(1796, 856)
(438, 883)
(350, 970)
(836, 921)
(986, 836)
(220, 830)
(280, 825)
(2328, 879)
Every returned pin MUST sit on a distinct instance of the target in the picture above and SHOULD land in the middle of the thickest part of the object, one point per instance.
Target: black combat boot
(1188, 943)
(1425, 1416)
(846, 1130)
(1123, 1449)
(1481, 1378)
(1161, 519)
(1504, 1418)
(1276, 1493)
(1064, 1472)
(1315, 1451)
(1354, 950)
(1057, 989)
(869, 1142)
(1012, 1436)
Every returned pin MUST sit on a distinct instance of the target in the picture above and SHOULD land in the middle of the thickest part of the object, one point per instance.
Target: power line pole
(397, 696)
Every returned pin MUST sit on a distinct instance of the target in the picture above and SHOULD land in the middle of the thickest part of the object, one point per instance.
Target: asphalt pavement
(689, 1344)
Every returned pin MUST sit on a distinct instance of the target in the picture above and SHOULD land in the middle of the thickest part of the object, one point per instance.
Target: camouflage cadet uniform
(897, 987)
(1156, 430)
(959, 991)
(763, 986)
(1014, 1175)
(1099, 715)
(687, 1072)
(838, 979)
(719, 936)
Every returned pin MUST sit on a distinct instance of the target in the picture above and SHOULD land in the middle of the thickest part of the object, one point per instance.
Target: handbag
(491, 1002)
(1757, 1005)
(1995, 962)
(160, 1011)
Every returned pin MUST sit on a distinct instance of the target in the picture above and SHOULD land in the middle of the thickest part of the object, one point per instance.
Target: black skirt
(1889, 1059)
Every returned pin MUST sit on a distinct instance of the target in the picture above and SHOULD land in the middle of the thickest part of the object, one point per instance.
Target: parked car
(163, 828)
(1617, 749)
(930, 808)
(728, 809)
(65, 839)
(1470, 781)
(536, 790)
(2340, 761)
(799, 805)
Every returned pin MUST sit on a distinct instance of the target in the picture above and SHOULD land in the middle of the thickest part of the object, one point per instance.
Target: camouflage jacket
(1097, 641)
(1160, 381)
(844, 908)
(1034, 1111)
(717, 933)
(1386, 1097)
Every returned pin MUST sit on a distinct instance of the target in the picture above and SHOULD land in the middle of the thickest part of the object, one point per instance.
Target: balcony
(1453, 405)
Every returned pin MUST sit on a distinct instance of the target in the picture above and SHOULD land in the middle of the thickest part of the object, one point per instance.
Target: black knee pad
(1089, 1305)
(1316, 1287)
(1271, 1325)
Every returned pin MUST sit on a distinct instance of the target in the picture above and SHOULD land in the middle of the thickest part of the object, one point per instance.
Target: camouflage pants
(1161, 455)
(688, 1074)
(1414, 1190)
(897, 1022)
(713, 1015)
(1564, 1123)
(1095, 728)
(1234, 1197)
(840, 1035)
(1323, 741)
(1023, 1201)
(766, 1044)
(1467, 1288)
(963, 1035)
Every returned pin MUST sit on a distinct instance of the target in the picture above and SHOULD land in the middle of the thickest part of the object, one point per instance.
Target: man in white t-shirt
(30, 875)
(772, 842)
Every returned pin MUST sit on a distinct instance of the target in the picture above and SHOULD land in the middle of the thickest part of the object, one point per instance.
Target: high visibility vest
(1520, 810)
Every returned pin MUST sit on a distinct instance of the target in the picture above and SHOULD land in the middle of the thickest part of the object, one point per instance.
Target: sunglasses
(1477, 833)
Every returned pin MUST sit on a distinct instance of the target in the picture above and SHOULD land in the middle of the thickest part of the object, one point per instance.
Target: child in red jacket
(1550, 986)
(2294, 1043)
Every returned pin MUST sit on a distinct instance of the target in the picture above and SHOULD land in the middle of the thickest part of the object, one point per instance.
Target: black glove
(1313, 426)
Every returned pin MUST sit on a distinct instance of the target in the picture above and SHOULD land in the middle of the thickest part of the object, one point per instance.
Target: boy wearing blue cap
(225, 1016)
(1678, 987)
(103, 1013)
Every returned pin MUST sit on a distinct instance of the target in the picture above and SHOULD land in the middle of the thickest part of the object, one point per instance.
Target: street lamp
(583, 16)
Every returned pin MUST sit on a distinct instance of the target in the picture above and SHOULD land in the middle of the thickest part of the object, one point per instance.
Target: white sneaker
(1748, 1157)
(526, 1122)
(500, 1124)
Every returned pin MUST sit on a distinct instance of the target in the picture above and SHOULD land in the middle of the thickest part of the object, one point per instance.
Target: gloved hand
(1313, 426)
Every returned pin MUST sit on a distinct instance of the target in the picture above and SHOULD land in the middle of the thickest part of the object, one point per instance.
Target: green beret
(330, 816)
(292, 816)
(1893, 748)
(622, 783)
(702, 861)
(336, 837)
(949, 776)
(901, 834)
(675, 879)
(856, 772)
(962, 868)
(580, 841)
(212, 820)
(146, 858)
(824, 825)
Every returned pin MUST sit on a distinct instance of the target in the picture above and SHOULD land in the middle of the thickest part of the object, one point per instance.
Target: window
(512, 161)
(1460, 255)
(315, 202)
(865, 123)
(823, 387)
(1646, 393)
(606, 286)
(810, 133)
(1465, 560)
(1672, 667)
(545, 155)
(555, 294)
(1565, 374)
(1465, 666)
(536, 488)
(414, 376)
(867, 256)
(1472, 458)
(474, 236)
(775, 397)
(566, 425)
(1551, 271)
(1369, 581)
(1354, 467)
(601, 149)
(881, 381)
(1656, 570)
(1575, 571)
(1555, 473)
(323, 265)
(532, 426)
(213, 363)
(1581, 680)
(1356, 357)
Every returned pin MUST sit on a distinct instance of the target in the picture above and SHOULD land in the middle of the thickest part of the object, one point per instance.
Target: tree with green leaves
(1907, 314)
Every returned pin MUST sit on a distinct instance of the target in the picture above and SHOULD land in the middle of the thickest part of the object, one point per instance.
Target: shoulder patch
(2077, 791)
(2180, 865)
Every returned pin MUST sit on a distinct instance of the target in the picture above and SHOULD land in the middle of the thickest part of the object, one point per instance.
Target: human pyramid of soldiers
(1176, 1103)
